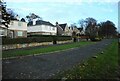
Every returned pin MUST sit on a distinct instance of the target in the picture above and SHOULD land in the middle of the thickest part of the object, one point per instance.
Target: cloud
(65, 1)
(25, 9)
(107, 10)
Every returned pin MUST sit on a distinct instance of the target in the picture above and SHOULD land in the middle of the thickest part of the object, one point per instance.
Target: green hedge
(39, 39)
(47, 36)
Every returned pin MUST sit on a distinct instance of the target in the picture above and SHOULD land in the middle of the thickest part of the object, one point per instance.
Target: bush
(46, 36)
(95, 39)
(6, 41)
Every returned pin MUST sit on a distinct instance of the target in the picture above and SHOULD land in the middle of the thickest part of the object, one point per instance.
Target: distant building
(81, 31)
(63, 29)
(59, 29)
(41, 27)
(75, 29)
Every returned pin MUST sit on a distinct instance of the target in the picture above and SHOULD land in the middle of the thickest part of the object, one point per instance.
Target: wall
(59, 30)
(43, 29)
(15, 46)
(18, 25)
(3, 31)
(67, 31)
(17, 29)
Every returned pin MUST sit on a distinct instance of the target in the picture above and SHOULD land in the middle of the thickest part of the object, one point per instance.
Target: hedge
(47, 36)
(6, 41)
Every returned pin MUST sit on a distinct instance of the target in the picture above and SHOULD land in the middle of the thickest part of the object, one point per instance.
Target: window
(19, 24)
(3, 32)
(20, 33)
(53, 28)
(11, 23)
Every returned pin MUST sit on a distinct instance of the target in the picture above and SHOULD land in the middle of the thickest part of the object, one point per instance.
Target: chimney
(17, 17)
(56, 23)
(34, 21)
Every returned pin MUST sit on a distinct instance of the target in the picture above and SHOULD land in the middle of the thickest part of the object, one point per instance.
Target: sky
(67, 11)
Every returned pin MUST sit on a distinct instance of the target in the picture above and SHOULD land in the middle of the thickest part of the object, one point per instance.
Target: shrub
(6, 41)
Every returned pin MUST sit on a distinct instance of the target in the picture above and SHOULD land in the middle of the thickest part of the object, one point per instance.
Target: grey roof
(80, 29)
(63, 26)
(40, 22)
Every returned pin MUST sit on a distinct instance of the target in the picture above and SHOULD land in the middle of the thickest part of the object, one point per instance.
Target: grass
(105, 66)
(14, 53)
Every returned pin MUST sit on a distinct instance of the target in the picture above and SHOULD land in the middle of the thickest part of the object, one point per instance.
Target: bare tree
(32, 16)
(91, 28)
(5, 15)
(107, 29)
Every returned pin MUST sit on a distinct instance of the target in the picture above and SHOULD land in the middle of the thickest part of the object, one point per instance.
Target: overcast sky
(67, 11)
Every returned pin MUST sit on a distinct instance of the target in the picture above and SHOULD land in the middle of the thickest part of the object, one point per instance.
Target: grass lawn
(23, 52)
(105, 66)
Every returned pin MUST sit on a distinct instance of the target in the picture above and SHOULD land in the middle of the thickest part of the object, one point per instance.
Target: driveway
(45, 66)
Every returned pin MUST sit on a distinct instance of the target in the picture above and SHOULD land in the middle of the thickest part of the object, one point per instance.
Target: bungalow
(41, 27)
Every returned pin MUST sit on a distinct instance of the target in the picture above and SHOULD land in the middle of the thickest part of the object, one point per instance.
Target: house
(41, 27)
(75, 29)
(17, 29)
(63, 29)
(59, 29)
(81, 31)
(3, 30)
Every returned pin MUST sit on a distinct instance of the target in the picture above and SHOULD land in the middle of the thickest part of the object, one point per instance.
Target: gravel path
(45, 66)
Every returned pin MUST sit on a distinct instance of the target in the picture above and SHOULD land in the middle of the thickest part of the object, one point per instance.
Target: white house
(17, 29)
(3, 30)
(41, 27)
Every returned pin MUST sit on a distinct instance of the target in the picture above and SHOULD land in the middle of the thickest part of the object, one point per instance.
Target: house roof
(63, 26)
(80, 29)
(40, 22)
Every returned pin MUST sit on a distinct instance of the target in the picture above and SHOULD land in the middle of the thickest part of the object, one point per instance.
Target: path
(44, 66)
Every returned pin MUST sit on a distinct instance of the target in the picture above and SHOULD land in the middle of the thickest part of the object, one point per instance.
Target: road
(47, 65)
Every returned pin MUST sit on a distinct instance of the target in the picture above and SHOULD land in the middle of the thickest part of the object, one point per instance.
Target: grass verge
(23, 52)
(105, 66)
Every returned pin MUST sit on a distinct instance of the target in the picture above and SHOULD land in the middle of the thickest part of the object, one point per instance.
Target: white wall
(3, 30)
(42, 28)
(18, 25)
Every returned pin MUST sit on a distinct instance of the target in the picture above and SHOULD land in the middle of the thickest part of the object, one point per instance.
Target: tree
(74, 36)
(32, 16)
(13, 15)
(73, 25)
(107, 29)
(82, 23)
(5, 15)
(91, 28)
